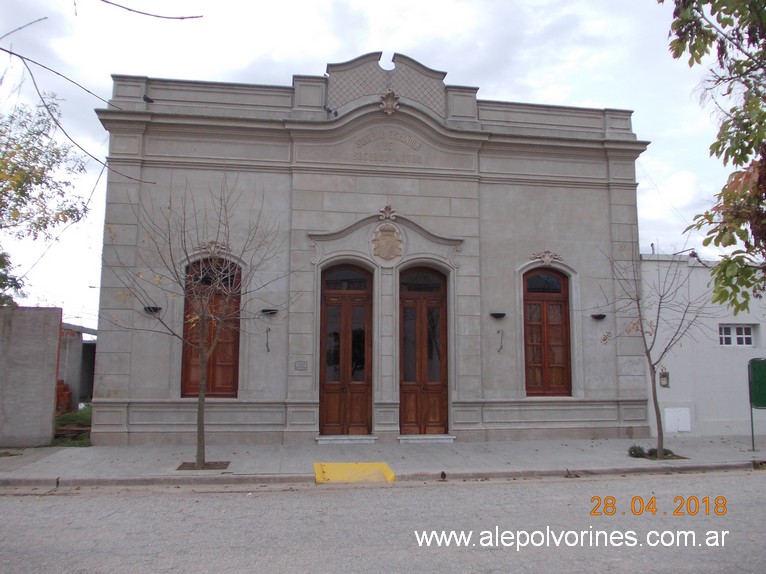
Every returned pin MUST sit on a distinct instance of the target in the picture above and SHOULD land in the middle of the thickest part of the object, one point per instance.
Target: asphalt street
(680, 522)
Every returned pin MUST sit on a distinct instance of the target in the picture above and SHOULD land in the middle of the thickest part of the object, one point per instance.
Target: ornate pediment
(378, 238)
(363, 77)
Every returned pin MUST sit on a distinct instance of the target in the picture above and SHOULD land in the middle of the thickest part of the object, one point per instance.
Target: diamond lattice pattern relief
(412, 84)
(369, 79)
(348, 85)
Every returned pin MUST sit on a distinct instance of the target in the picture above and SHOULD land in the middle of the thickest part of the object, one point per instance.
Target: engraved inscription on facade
(387, 145)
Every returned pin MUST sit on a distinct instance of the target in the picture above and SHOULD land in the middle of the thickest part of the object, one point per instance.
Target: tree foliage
(9, 284)
(35, 187)
(734, 32)
(34, 166)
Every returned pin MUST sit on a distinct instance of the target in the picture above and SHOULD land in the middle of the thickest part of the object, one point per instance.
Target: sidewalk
(261, 464)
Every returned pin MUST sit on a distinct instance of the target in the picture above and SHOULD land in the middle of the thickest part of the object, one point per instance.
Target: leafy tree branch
(735, 31)
(35, 190)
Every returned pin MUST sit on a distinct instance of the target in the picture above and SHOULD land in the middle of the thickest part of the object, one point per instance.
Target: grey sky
(591, 53)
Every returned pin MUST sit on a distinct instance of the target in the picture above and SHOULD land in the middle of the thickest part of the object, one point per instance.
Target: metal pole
(752, 428)
(750, 400)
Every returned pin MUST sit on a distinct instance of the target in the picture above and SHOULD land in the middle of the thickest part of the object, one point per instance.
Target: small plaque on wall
(301, 365)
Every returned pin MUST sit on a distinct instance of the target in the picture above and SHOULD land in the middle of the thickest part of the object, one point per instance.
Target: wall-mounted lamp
(268, 311)
(497, 315)
(598, 316)
(664, 379)
(152, 310)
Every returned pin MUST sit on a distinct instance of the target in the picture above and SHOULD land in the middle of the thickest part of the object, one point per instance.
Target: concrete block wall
(29, 344)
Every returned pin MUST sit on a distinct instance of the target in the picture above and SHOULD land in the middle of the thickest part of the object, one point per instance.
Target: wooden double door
(345, 373)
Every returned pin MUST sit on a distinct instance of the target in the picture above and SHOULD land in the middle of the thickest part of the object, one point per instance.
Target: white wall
(708, 381)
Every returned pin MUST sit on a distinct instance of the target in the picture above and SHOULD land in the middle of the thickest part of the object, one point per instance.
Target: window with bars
(735, 335)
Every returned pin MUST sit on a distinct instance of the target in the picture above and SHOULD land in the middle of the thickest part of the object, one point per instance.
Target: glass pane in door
(332, 344)
(434, 344)
(358, 343)
(409, 342)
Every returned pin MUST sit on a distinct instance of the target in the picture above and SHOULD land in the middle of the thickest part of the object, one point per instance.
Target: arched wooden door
(423, 352)
(546, 333)
(345, 372)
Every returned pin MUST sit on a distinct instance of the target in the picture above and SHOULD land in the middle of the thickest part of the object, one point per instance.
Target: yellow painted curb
(326, 472)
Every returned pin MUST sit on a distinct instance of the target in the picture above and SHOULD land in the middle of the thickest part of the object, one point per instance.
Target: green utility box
(757, 378)
(756, 375)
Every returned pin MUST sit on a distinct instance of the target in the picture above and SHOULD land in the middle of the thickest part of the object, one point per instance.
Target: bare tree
(664, 310)
(211, 250)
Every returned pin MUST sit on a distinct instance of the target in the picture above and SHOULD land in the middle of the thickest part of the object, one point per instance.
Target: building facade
(440, 271)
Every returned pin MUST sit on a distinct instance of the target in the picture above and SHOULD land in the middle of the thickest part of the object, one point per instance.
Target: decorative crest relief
(389, 102)
(388, 212)
(387, 242)
(547, 257)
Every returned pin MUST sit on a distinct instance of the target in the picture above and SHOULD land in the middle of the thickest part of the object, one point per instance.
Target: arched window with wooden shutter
(212, 326)
(546, 333)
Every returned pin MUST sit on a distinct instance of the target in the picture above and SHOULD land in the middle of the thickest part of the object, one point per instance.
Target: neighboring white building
(708, 370)
(444, 266)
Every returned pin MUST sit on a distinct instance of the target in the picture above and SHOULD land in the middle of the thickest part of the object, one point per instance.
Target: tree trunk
(657, 413)
(199, 461)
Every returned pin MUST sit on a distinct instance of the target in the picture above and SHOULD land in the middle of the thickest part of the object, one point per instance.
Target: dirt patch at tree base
(218, 465)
